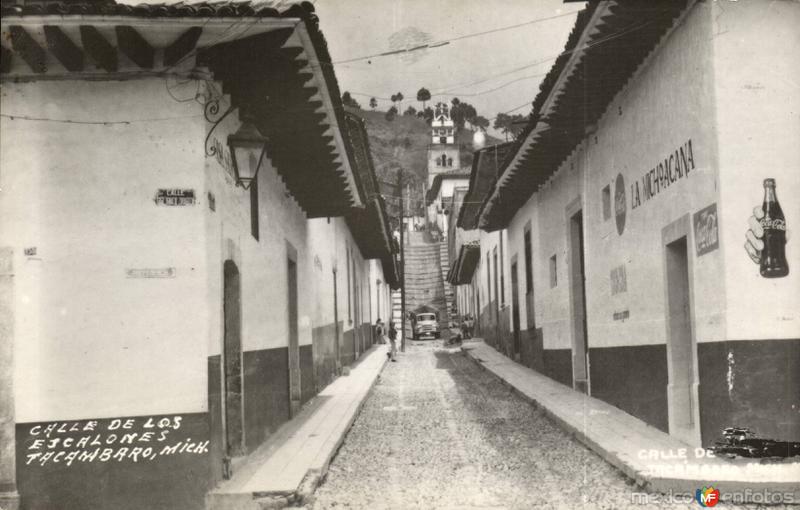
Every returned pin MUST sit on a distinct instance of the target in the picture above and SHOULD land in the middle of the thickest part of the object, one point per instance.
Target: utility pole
(402, 264)
(425, 204)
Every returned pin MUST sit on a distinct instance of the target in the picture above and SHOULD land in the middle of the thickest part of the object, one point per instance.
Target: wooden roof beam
(136, 47)
(28, 49)
(182, 46)
(66, 51)
(6, 57)
(101, 51)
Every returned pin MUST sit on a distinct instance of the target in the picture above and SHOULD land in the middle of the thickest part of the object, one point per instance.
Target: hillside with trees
(401, 141)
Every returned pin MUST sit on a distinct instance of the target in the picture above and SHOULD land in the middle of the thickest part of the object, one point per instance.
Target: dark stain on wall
(764, 393)
(266, 393)
(633, 378)
(168, 481)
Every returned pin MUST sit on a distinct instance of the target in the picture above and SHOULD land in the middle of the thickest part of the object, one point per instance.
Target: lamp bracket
(211, 113)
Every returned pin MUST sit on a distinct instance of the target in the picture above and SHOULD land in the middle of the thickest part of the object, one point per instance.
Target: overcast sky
(475, 65)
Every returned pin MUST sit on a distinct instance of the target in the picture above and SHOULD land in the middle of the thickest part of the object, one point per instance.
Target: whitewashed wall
(83, 196)
(756, 48)
(668, 102)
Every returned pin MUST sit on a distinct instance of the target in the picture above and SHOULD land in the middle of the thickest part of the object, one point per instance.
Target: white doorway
(683, 385)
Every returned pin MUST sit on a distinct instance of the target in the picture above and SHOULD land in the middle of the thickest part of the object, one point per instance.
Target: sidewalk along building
(479, 263)
(626, 202)
(191, 245)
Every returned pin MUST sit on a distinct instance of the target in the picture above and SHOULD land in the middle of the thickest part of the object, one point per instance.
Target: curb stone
(651, 482)
(304, 495)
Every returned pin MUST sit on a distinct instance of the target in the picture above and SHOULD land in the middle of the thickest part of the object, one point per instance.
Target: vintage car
(426, 326)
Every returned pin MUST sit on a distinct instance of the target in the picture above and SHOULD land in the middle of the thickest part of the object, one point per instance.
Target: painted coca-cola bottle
(773, 256)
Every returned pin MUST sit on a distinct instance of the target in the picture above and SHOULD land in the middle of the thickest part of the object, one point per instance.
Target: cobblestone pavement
(439, 432)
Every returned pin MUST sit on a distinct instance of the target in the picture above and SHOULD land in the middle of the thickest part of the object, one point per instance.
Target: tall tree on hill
(423, 95)
(399, 97)
(426, 114)
(480, 122)
(462, 112)
(348, 100)
(469, 113)
(509, 124)
(373, 103)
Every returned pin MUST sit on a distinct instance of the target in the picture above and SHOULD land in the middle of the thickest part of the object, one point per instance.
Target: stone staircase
(424, 282)
(426, 270)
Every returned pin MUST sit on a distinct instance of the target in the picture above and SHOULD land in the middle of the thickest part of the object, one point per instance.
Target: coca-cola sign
(620, 204)
(773, 223)
(706, 229)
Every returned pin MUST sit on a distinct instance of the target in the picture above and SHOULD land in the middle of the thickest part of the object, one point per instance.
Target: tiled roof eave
(651, 21)
(333, 108)
(326, 160)
(177, 10)
(467, 263)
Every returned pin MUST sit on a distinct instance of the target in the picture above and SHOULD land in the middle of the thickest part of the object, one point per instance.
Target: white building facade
(630, 227)
(161, 319)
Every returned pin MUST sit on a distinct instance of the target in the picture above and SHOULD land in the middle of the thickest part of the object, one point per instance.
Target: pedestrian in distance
(393, 341)
(456, 335)
(380, 331)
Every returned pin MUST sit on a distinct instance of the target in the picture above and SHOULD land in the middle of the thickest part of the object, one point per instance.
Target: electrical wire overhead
(444, 42)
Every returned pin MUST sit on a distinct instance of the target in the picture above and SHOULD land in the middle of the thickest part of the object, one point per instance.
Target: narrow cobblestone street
(439, 432)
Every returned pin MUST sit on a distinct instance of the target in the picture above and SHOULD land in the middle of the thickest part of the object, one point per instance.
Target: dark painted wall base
(753, 384)
(216, 447)
(266, 393)
(308, 386)
(348, 350)
(325, 367)
(558, 365)
(505, 343)
(532, 352)
(128, 463)
(633, 378)
(119, 477)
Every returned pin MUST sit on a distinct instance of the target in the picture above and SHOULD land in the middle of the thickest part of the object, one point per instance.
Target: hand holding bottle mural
(767, 235)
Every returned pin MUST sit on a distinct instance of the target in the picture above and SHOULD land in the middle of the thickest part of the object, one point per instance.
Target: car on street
(426, 326)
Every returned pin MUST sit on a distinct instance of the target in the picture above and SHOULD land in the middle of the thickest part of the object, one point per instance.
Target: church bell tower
(443, 153)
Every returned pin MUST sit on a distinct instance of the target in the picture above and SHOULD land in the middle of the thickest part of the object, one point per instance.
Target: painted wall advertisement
(706, 229)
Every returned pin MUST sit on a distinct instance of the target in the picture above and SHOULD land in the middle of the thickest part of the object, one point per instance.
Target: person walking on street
(380, 331)
(393, 341)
